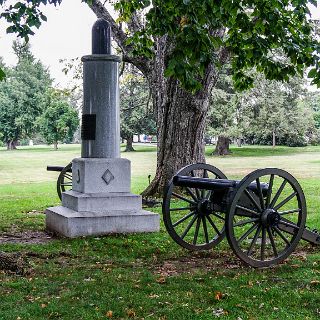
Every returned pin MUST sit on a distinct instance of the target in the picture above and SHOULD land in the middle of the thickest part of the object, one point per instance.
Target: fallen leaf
(131, 313)
(314, 282)
(218, 295)
(109, 314)
(161, 280)
(43, 305)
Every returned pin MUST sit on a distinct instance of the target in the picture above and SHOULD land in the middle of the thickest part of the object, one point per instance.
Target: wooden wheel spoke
(209, 193)
(205, 229)
(282, 213)
(68, 176)
(247, 233)
(243, 222)
(263, 244)
(213, 226)
(260, 194)
(189, 226)
(196, 233)
(192, 194)
(253, 201)
(181, 209)
(183, 218)
(183, 198)
(247, 210)
(218, 215)
(274, 248)
(277, 195)
(269, 190)
(254, 240)
(281, 236)
(283, 202)
(67, 184)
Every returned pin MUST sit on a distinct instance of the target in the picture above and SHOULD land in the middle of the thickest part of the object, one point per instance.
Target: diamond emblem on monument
(107, 176)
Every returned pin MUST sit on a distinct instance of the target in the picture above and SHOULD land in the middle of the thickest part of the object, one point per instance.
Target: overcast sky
(66, 34)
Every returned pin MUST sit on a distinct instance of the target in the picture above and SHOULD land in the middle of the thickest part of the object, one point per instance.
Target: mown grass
(147, 276)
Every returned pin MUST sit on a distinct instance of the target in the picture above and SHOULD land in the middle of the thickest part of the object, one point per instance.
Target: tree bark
(12, 144)
(223, 146)
(55, 145)
(181, 123)
(129, 146)
(273, 138)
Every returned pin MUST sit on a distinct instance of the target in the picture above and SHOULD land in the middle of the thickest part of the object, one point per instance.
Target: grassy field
(147, 276)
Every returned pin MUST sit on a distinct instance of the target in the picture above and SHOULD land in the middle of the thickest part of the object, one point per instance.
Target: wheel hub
(270, 218)
(204, 207)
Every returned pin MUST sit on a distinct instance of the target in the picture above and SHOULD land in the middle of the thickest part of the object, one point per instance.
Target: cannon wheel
(185, 211)
(64, 182)
(264, 225)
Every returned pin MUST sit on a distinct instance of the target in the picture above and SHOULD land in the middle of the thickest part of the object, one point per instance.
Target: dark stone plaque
(88, 128)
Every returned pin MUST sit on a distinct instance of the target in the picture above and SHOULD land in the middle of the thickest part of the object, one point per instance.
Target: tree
(278, 116)
(21, 96)
(270, 113)
(136, 115)
(227, 116)
(179, 46)
(59, 120)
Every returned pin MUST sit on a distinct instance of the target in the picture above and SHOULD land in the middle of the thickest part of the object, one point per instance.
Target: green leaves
(252, 32)
(2, 75)
(312, 73)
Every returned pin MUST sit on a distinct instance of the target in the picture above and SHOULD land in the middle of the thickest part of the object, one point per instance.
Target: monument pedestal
(100, 202)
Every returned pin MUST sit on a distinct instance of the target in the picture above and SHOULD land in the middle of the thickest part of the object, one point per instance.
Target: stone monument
(100, 201)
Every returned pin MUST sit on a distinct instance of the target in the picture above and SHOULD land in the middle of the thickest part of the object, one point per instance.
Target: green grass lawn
(148, 276)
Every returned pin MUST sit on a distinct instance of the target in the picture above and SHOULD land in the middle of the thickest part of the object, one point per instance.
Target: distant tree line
(30, 107)
(271, 113)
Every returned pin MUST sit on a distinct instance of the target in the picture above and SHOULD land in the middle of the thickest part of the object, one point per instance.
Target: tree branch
(142, 63)
(119, 36)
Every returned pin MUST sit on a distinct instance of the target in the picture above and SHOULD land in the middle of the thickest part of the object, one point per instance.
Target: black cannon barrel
(214, 184)
(203, 183)
(56, 168)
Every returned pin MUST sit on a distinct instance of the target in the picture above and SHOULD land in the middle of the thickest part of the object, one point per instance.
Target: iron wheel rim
(199, 222)
(271, 221)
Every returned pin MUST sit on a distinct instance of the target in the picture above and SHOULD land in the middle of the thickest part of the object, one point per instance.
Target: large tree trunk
(129, 146)
(12, 144)
(223, 146)
(181, 120)
(180, 140)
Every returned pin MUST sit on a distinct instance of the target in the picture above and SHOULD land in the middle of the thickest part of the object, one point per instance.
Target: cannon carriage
(64, 181)
(263, 215)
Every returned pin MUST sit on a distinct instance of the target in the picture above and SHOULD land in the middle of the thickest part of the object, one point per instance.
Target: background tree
(227, 117)
(278, 117)
(180, 45)
(270, 113)
(136, 114)
(21, 96)
(59, 121)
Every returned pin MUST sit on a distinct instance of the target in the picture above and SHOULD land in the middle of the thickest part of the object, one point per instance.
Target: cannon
(263, 215)
(64, 181)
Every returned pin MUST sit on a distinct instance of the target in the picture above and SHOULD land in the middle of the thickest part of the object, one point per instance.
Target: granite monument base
(100, 202)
